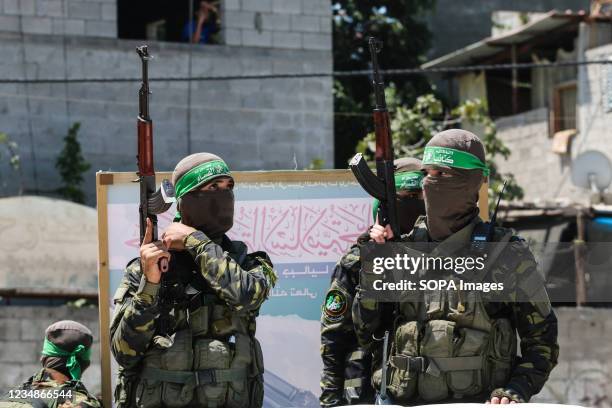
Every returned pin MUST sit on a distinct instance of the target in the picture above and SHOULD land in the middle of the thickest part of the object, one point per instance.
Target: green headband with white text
(199, 175)
(444, 156)
(408, 180)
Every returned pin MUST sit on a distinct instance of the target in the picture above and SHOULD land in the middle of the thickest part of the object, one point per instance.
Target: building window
(564, 107)
(197, 21)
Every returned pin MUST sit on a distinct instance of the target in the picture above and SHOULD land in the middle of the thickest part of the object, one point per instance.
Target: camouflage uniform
(75, 394)
(535, 323)
(345, 365)
(224, 276)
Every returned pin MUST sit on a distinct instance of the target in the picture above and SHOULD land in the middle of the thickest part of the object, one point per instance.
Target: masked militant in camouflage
(448, 349)
(65, 355)
(187, 337)
(346, 368)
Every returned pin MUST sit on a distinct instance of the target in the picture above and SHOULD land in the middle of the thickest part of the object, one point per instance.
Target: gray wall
(544, 175)
(254, 124)
(583, 372)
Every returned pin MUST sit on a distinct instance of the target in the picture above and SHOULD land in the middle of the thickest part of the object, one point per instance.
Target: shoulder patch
(336, 304)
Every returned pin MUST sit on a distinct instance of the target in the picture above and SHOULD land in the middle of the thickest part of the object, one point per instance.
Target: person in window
(204, 24)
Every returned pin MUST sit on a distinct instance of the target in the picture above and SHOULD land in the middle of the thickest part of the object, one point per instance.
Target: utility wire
(335, 74)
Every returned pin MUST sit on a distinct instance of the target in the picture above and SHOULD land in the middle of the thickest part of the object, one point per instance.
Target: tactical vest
(208, 357)
(447, 347)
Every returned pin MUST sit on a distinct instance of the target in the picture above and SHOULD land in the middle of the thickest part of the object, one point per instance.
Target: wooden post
(579, 256)
(483, 202)
(103, 290)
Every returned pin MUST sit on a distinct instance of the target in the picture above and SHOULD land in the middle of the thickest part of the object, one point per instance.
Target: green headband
(73, 365)
(198, 176)
(408, 180)
(445, 156)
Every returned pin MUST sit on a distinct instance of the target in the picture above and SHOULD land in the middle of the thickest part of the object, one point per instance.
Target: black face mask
(409, 209)
(211, 212)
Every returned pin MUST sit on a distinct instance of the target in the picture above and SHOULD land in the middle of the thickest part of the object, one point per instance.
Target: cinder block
(85, 10)
(253, 38)
(10, 329)
(37, 25)
(287, 6)
(49, 8)
(317, 7)
(305, 23)
(240, 19)
(11, 7)
(326, 24)
(109, 12)
(231, 5)
(27, 7)
(257, 5)
(232, 36)
(275, 22)
(101, 28)
(286, 40)
(34, 329)
(9, 23)
(74, 26)
(11, 376)
(312, 41)
(19, 352)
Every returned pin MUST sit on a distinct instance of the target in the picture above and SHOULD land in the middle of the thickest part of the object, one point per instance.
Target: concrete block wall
(22, 330)
(532, 162)
(254, 124)
(293, 24)
(97, 18)
(544, 175)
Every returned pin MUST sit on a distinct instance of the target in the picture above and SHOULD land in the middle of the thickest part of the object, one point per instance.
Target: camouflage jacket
(345, 365)
(535, 322)
(69, 394)
(239, 280)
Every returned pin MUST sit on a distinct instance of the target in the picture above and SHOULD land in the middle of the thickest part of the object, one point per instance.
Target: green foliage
(401, 25)
(412, 127)
(71, 165)
(10, 148)
(316, 164)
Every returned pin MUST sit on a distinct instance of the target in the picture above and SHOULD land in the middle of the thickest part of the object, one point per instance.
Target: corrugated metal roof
(492, 45)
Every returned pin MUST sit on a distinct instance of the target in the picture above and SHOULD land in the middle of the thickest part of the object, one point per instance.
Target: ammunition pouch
(201, 371)
(441, 359)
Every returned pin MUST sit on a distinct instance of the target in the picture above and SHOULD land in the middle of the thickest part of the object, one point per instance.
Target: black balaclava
(408, 208)
(451, 202)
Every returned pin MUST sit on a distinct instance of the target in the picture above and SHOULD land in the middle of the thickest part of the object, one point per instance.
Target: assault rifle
(382, 184)
(152, 202)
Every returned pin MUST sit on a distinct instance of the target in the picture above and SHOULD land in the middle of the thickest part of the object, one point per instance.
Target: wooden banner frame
(106, 179)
